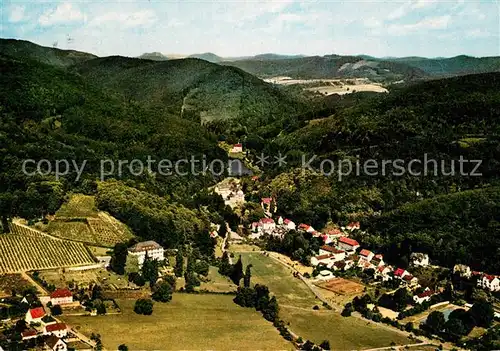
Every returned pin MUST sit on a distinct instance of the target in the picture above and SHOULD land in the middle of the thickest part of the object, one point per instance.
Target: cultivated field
(188, 322)
(296, 303)
(339, 291)
(79, 205)
(79, 220)
(23, 253)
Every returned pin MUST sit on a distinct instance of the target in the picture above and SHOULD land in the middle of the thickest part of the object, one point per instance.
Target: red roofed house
(490, 282)
(336, 233)
(61, 297)
(321, 259)
(55, 344)
(266, 203)
(425, 296)
(29, 334)
(400, 273)
(383, 272)
(267, 224)
(237, 148)
(348, 244)
(410, 280)
(366, 255)
(35, 315)
(353, 225)
(256, 227)
(338, 255)
(378, 260)
(289, 224)
(306, 228)
(58, 329)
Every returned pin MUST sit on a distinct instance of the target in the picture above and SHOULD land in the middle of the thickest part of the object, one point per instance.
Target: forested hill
(193, 89)
(441, 120)
(50, 113)
(22, 49)
(330, 66)
(458, 65)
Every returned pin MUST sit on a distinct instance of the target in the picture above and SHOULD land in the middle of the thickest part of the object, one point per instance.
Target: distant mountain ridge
(155, 56)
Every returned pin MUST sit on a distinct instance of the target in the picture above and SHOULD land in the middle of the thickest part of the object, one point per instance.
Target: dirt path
(33, 282)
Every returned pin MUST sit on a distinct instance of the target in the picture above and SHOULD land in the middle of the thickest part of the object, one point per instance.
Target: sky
(430, 28)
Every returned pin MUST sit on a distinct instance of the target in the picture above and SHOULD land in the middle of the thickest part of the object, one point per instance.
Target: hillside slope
(193, 89)
(22, 49)
(329, 66)
(434, 124)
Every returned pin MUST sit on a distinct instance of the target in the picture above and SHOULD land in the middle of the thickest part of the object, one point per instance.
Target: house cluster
(485, 281)
(43, 324)
(269, 226)
(231, 192)
(341, 254)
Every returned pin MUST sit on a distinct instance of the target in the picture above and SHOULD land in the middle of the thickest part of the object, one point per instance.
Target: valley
(288, 254)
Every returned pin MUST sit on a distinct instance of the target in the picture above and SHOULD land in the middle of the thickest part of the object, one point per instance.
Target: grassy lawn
(205, 322)
(296, 302)
(217, 282)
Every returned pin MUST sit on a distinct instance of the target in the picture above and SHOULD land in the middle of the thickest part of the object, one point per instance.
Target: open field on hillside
(78, 205)
(79, 220)
(339, 291)
(217, 282)
(208, 322)
(22, 253)
(296, 303)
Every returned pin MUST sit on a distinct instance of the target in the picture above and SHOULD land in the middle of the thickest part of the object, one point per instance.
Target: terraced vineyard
(29, 250)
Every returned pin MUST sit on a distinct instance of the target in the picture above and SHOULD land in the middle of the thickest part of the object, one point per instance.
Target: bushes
(144, 306)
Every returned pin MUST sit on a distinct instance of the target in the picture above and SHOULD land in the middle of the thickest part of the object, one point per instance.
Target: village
(340, 274)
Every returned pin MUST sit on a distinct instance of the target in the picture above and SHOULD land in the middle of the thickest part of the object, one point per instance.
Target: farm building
(55, 344)
(57, 329)
(348, 244)
(61, 297)
(35, 315)
(149, 248)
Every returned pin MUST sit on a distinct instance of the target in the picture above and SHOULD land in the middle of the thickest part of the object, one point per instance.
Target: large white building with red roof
(61, 297)
(306, 228)
(267, 224)
(348, 244)
(150, 248)
(366, 255)
(337, 255)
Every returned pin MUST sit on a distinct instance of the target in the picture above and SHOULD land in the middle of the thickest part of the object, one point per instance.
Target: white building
(348, 244)
(150, 248)
(489, 282)
(366, 255)
(55, 344)
(35, 315)
(419, 259)
(425, 296)
(267, 225)
(237, 148)
(336, 254)
(61, 297)
(57, 329)
(289, 224)
(463, 270)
